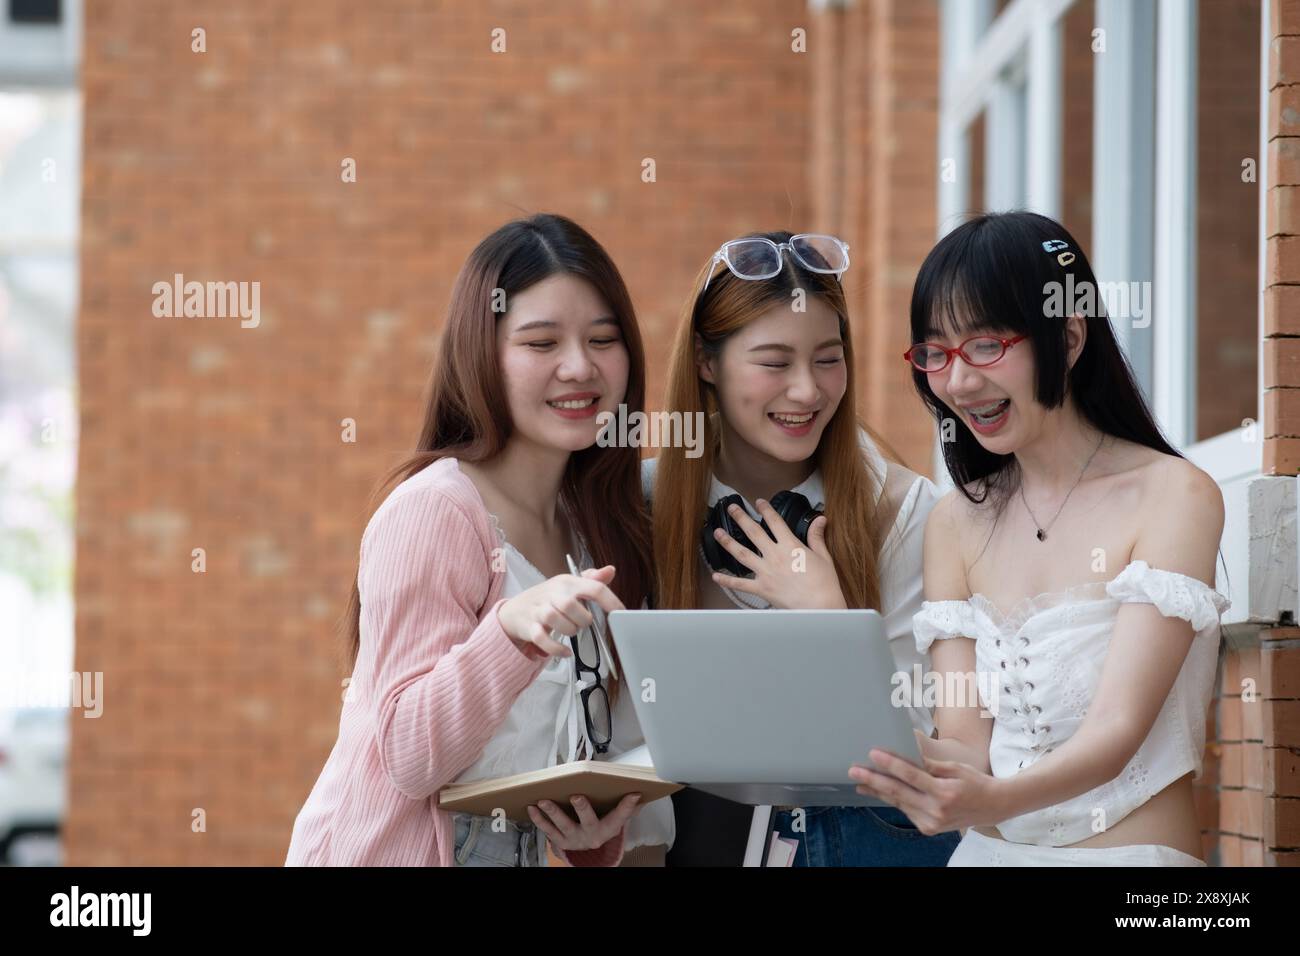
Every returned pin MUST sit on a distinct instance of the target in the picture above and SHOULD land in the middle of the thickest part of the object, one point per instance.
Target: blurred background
(181, 503)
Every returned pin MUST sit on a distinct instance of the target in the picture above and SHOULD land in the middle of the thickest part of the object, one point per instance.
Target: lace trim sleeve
(1173, 594)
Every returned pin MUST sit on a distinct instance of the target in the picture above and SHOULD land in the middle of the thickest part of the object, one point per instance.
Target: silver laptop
(763, 707)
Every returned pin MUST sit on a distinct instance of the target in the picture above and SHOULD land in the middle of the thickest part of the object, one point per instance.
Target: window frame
(1140, 239)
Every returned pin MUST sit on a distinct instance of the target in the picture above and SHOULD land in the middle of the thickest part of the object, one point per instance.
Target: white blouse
(1048, 651)
(901, 584)
(545, 724)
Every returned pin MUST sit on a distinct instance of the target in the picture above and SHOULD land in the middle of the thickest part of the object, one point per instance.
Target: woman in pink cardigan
(460, 671)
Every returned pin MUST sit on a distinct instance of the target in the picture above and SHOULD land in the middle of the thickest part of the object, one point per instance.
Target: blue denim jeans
(863, 836)
(479, 844)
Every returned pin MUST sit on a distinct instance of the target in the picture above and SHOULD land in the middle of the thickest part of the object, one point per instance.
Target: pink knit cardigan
(435, 677)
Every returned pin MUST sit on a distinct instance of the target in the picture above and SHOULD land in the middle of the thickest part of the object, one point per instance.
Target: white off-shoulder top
(1047, 654)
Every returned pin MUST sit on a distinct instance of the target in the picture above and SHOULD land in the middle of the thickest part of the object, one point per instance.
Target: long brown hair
(468, 415)
(681, 484)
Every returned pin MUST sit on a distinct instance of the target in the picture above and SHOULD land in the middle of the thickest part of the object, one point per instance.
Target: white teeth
(794, 419)
(577, 403)
(989, 413)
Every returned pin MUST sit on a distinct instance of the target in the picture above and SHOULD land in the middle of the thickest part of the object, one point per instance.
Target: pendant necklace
(1042, 531)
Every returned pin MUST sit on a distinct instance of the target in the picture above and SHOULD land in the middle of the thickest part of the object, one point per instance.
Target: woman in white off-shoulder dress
(1068, 577)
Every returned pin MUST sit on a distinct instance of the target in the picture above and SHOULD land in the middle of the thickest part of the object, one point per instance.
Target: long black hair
(994, 273)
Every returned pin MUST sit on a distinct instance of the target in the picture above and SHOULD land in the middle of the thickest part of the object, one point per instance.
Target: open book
(603, 782)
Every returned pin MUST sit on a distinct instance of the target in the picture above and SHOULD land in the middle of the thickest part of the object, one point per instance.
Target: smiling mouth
(574, 403)
(794, 421)
(988, 414)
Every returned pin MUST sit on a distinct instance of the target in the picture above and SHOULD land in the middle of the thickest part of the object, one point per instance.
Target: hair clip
(1052, 245)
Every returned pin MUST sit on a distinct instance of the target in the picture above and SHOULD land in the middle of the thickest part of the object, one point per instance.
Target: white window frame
(984, 68)
(1148, 233)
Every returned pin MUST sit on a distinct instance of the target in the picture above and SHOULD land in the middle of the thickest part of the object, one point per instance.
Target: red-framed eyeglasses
(977, 351)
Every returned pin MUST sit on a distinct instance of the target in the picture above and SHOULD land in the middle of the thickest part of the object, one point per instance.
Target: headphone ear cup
(718, 557)
(796, 511)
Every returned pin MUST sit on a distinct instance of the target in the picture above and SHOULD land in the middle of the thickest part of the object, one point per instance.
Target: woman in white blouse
(764, 360)
(1071, 571)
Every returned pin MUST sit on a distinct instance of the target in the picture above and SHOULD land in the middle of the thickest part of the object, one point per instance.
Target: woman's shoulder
(1168, 483)
(1174, 508)
(439, 492)
(1174, 490)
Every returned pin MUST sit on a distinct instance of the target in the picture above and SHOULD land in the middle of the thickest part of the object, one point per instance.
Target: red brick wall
(222, 689)
(874, 185)
(1282, 256)
(1259, 739)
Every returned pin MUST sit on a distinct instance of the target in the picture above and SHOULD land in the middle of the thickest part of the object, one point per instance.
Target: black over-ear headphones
(795, 510)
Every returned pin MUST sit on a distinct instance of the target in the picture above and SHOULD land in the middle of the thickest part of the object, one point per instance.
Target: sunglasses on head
(760, 258)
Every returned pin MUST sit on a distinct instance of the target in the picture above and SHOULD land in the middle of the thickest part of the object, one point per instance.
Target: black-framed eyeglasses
(977, 351)
(595, 698)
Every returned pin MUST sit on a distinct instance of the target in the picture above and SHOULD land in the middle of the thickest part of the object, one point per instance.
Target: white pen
(600, 637)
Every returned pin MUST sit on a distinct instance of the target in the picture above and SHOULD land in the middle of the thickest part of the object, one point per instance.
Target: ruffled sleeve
(940, 620)
(1173, 594)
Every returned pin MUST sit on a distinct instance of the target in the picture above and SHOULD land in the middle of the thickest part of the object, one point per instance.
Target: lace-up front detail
(1040, 663)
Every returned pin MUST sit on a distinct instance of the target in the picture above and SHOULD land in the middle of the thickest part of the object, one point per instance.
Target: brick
(1282, 310)
(1282, 412)
(1284, 18)
(1281, 456)
(1282, 823)
(1284, 61)
(1252, 766)
(1282, 210)
(1282, 261)
(1252, 719)
(1281, 772)
(1279, 672)
(1241, 812)
(1229, 850)
(1252, 853)
(1281, 362)
(1281, 723)
(1229, 719)
(1230, 773)
(1284, 111)
(1284, 161)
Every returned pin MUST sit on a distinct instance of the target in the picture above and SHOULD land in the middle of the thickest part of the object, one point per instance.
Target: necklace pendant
(1042, 535)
